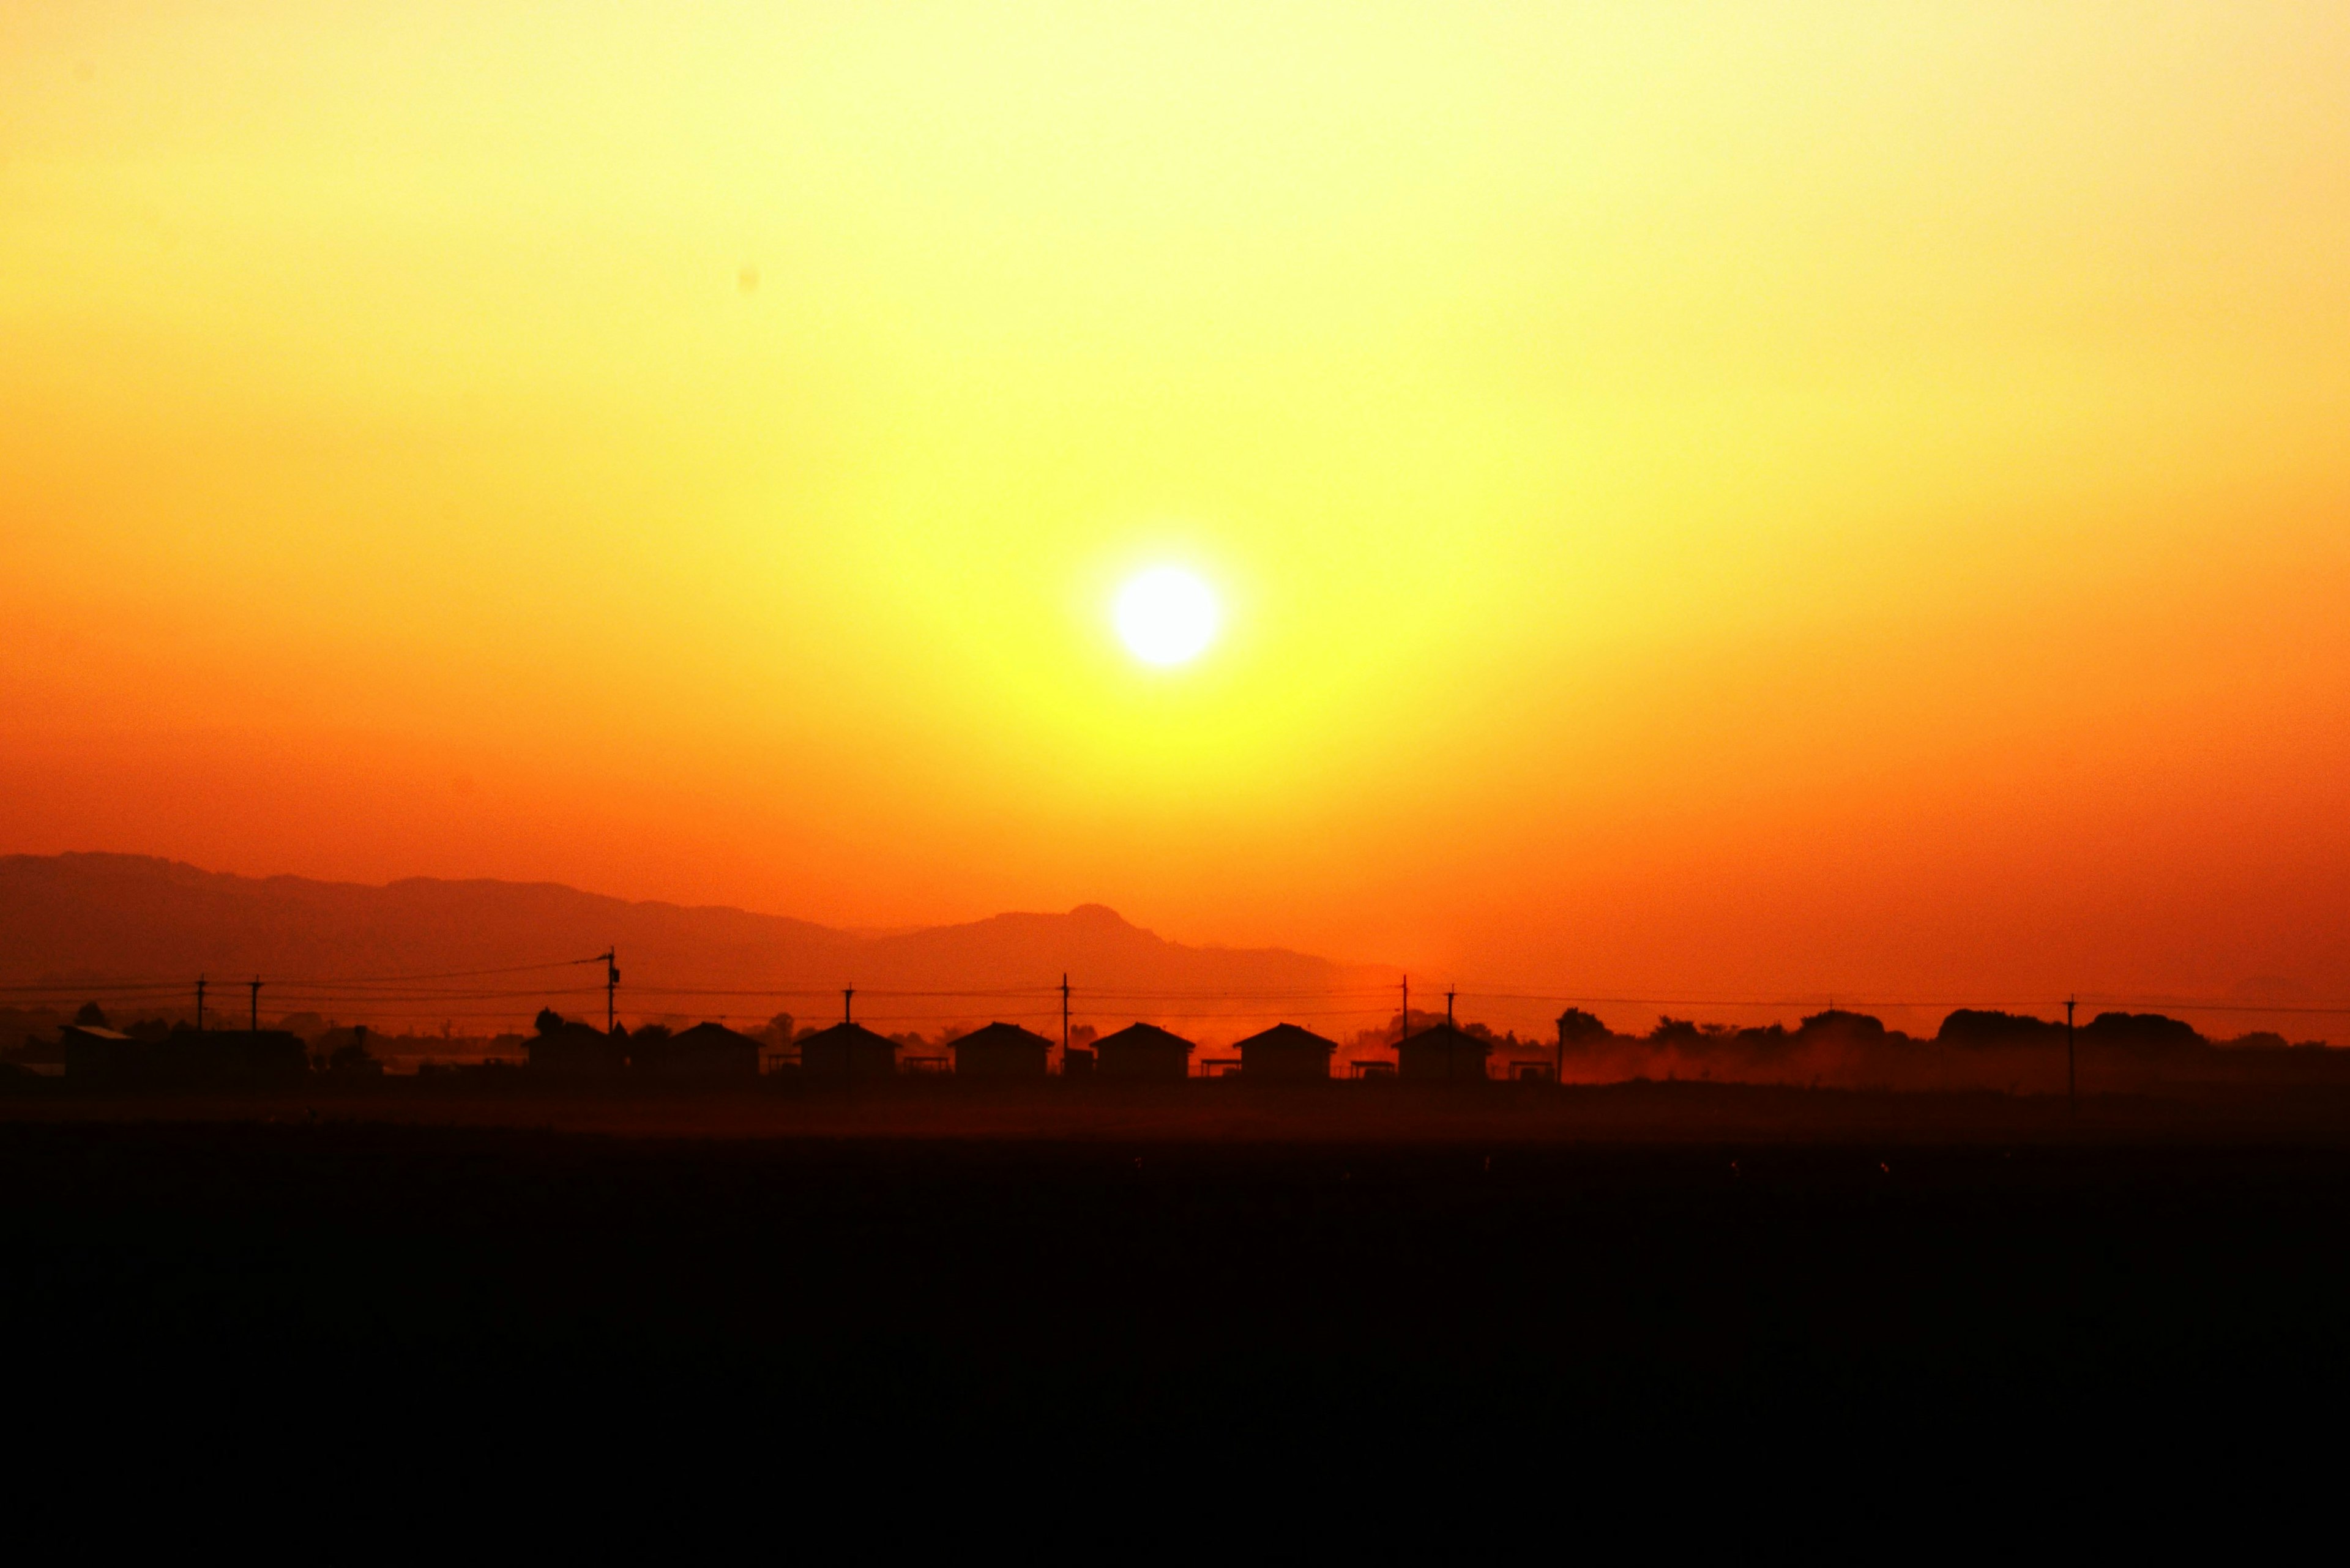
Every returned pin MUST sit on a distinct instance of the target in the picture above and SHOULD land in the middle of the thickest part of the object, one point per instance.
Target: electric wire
(425, 995)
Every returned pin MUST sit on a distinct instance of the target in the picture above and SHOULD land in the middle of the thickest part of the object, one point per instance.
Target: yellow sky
(1803, 496)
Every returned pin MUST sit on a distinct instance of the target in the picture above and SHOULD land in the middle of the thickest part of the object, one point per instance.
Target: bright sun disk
(1166, 616)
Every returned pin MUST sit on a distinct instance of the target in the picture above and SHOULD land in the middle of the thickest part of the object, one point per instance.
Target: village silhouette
(1426, 1223)
(116, 979)
(2130, 1051)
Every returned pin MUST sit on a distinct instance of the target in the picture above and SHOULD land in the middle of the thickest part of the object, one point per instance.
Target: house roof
(847, 1035)
(1448, 1037)
(1287, 1037)
(1146, 1036)
(92, 1032)
(711, 1034)
(1001, 1033)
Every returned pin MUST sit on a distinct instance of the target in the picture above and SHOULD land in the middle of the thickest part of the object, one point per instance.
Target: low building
(1001, 1051)
(184, 1056)
(847, 1050)
(1286, 1051)
(1443, 1052)
(570, 1050)
(704, 1053)
(92, 1052)
(1142, 1050)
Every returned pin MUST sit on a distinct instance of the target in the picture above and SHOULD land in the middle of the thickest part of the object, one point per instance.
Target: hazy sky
(1803, 496)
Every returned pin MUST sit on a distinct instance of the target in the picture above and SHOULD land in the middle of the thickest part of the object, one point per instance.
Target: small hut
(1285, 1051)
(92, 1051)
(209, 1056)
(1443, 1052)
(1001, 1051)
(1142, 1050)
(704, 1052)
(847, 1050)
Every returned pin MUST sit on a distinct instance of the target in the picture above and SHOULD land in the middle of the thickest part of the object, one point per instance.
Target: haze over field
(1795, 500)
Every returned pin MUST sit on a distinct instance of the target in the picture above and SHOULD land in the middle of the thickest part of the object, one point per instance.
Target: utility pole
(848, 996)
(1405, 1033)
(253, 985)
(1447, 1007)
(200, 1004)
(2072, 1102)
(1558, 1072)
(611, 955)
(1065, 1017)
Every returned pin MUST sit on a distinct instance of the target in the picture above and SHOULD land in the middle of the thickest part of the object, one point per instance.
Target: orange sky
(1802, 499)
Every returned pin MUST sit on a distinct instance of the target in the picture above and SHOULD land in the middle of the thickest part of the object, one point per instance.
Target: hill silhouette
(133, 932)
(98, 918)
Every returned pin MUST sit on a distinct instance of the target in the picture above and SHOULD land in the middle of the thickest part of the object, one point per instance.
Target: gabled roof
(711, 1034)
(92, 1032)
(1448, 1037)
(1287, 1037)
(847, 1035)
(1000, 1033)
(1146, 1036)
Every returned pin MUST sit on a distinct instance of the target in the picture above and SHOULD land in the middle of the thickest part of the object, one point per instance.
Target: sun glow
(1166, 616)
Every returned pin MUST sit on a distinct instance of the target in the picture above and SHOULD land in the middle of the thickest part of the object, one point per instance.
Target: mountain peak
(136, 919)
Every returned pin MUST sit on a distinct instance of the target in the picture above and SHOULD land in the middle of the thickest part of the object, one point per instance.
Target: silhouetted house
(847, 1050)
(1285, 1051)
(1142, 1050)
(92, 1052)
(1002, 1050)
(1441, 1052)
(183, 1057)
(705, 1052)
(572, 1050)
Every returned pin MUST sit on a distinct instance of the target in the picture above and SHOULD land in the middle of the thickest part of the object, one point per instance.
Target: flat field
(1527, 1269)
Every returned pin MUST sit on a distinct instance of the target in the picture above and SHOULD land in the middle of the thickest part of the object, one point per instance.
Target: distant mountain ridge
(95, 920)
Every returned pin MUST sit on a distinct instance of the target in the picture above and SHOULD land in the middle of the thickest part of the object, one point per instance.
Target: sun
(1166, 616)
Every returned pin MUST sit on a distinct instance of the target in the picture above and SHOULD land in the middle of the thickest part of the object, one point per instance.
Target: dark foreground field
(1199, 1298)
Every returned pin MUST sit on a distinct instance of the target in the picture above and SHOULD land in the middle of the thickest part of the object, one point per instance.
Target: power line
(83, 987)
(420, 989)
(2183, 1003)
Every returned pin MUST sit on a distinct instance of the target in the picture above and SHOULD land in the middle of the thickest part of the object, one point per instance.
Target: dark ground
(1486, 1297)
